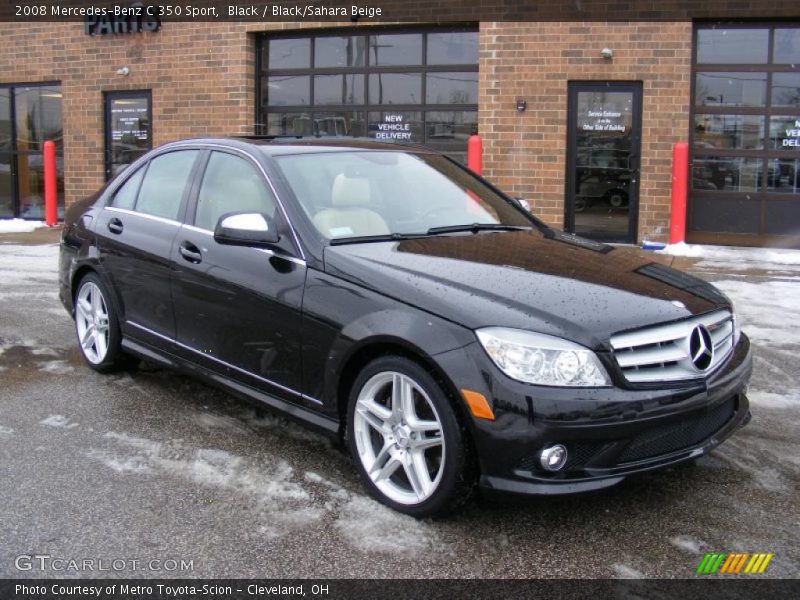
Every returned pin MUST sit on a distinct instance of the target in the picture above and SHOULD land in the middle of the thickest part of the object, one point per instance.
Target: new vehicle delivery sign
(393, 127)
(792, 139)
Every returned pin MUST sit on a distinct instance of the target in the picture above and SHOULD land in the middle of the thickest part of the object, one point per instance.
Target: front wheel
(409, 446)
(97, 326)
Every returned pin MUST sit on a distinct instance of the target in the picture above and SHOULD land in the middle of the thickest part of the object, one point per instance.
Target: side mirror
(246, 229)
(523, 204)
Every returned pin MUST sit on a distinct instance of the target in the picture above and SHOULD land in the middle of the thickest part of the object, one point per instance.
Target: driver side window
(231, 184)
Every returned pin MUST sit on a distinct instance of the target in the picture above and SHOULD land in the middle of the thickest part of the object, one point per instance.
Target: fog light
(553, 458)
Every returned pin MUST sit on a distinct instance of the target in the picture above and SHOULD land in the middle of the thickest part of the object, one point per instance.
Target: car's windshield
(356, 193)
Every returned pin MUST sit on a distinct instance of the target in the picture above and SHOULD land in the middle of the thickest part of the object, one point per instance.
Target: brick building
(577, 117)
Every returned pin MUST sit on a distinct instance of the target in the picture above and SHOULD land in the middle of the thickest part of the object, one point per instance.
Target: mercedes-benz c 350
(388, 296)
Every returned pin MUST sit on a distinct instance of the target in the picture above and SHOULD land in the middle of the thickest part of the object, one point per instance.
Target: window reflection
(786, 89)
(784, 133)
(289, 90)
(292, 53)
(727, 174)
(783, 176)
(729, 46)
(395, 49)
(731, 89)
(339, 89)
(787, 46)
(451, 88)
(335, 51)
(453, 48)
(395, 88)
(730, 132)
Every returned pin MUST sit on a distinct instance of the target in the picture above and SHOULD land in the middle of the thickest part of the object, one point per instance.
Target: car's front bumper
(609, 432)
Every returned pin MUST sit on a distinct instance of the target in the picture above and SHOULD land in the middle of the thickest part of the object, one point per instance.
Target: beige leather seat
(349, 215)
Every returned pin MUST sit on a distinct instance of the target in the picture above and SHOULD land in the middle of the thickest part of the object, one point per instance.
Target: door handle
(190, 252)
(115, 226)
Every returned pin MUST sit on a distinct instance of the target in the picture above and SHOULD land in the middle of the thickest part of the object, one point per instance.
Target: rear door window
(164, 184)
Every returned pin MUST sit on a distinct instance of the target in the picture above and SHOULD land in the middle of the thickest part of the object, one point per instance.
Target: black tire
(458, 472)
(114, 359)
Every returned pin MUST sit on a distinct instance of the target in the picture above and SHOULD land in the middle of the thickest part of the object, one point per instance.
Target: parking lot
(159, 471)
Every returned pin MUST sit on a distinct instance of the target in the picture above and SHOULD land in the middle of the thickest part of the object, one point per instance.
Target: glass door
(604, 124)
(128, 135)
(7, 208)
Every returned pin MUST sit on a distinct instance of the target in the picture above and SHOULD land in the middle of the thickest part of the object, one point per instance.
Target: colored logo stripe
(721, 562)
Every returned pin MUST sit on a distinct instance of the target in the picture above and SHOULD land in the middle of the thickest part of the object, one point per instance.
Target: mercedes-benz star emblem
(701, 350)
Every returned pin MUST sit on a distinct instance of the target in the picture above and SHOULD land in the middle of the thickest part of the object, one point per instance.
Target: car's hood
(556, 284)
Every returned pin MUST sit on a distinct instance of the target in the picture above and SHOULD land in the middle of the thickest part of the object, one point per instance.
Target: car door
(135, 232)
(237, 308)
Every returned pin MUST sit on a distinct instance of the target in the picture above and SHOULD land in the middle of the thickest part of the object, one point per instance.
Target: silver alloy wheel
(398, 435)
(91, 321)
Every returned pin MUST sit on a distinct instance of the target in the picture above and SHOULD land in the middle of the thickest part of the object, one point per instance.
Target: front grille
(678, 436)
(663, 352)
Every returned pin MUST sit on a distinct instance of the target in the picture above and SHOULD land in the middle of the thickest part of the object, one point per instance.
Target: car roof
(281, 145)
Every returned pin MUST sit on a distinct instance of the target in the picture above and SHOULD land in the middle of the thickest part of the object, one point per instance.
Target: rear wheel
(408, 444)
(97, 326)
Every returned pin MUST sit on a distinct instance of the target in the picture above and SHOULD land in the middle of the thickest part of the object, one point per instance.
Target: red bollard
(680, 187)
(50, 200)
(475, 154)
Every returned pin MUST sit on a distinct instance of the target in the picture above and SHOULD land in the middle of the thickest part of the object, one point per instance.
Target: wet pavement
(153, 466)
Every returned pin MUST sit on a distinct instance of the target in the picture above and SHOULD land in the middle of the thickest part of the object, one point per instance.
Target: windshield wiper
(476, 227)
(387, 237)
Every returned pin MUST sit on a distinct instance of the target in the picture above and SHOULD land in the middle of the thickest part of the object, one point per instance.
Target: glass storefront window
(782, 176)
(395, 88)
(786, 89)
(731, 89)
(746, 131)
(337, 51)
(289, 124)
(726, 174)
(451, 88)
(289, 90)
(358, 83)
(38, 111)
(29, 116)
(731, 46)
(784, 133)
(729, 132)
(339, 123)
(393, 49)
(453, 48)
(339, 89)
(450, 125)
(292, 53)
(787, 46)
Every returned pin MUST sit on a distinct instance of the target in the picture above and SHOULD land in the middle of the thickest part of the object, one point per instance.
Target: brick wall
(525, 153)
(202, 78)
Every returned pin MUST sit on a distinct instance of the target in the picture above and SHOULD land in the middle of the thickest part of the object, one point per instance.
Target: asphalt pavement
(170, 478)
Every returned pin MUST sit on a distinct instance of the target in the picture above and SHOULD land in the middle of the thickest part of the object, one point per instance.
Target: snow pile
(19, 225)
(735, 256)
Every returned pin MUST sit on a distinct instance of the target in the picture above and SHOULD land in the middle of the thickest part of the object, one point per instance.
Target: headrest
(350, 191)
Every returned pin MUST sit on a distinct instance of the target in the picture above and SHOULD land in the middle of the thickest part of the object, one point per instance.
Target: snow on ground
(27, 265)
(19, 225)
(764, 309)
(735, 257)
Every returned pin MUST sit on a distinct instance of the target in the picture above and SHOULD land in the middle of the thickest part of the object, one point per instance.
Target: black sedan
(387, 295)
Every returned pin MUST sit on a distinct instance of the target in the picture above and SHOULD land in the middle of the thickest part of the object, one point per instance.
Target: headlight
(542, 359)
